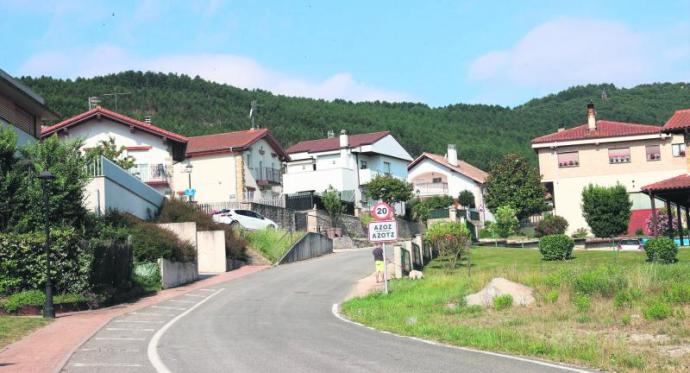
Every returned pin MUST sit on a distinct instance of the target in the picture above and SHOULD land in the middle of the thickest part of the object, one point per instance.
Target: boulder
(521, 294)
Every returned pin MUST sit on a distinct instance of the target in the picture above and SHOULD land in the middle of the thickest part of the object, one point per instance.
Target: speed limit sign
(382, 211)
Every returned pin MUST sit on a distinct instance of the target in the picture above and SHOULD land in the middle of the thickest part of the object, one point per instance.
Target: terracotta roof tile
(679, 119)
(463, 167)
(323, 145)
(676, 182)
(605, 128)
(147, 127)
(238, 140)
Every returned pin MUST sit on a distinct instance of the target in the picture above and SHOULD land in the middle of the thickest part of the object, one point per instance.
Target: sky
(435, 52)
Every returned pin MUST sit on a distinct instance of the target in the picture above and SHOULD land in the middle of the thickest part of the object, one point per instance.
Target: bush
(551, 224)
(506, 221)
(556, 247)
(488, 231)
(36, 298)
(420, 208)
(604, 281)
(661, 249)
(148, 276)
(657, 310)
(451, 239)
(579, 233)
(503, 302)
(606, 209)
(581, 303)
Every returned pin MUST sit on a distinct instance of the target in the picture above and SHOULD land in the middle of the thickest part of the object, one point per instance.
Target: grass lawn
(13, 328)
(272, 243)
(601, 309)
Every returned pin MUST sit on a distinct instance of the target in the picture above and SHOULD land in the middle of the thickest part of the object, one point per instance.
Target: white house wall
(388, 146)
(213, 177)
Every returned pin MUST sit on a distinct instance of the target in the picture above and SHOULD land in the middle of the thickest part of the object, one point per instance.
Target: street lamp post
(188, 169)
(46, 178)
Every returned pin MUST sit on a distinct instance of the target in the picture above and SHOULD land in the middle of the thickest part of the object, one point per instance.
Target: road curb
(335, 310)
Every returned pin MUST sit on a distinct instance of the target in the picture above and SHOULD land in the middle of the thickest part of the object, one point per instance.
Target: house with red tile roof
(239, 166)
(345, 162)
(153, 149)
(607, 153)
(446, 175)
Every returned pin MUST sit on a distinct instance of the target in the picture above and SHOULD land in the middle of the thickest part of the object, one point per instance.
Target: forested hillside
(193, 106)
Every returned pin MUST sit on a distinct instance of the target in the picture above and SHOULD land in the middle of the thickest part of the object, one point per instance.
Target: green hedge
(36, 298)
(556, 247)
(661, 249)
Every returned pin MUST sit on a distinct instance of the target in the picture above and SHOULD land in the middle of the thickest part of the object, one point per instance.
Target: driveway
(278, 320)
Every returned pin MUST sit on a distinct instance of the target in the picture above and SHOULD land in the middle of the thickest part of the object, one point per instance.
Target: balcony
(431, 189)
(266, 175)
(152, 174)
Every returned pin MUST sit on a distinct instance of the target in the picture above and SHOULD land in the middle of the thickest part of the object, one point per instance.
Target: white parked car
(244, 218)
(629, 244)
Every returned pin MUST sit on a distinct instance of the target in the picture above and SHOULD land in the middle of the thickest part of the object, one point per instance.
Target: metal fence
(443, 213)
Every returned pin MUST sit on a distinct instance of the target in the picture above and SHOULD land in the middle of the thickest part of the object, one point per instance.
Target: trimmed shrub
(556, 247)
(551, 224)
(661, 249)
(503, 302)
(657, 310)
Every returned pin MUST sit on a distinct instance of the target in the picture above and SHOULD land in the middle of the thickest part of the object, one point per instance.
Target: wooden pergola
(673, 191)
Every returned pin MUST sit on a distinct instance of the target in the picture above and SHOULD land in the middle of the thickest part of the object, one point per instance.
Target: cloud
(230, 69)
(565, 52)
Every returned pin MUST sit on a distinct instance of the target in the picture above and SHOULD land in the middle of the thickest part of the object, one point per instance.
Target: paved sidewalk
(47, 349)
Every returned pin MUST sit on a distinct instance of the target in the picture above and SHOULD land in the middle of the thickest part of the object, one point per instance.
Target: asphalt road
(280, 320)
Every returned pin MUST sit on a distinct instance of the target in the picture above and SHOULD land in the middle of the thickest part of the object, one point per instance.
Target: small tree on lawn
(388, 189)
(660, 226)
(606, 209)
(516, 183)
(506, 221)
(110, 150)
(451, 239)
(333, 205)
(466, 199)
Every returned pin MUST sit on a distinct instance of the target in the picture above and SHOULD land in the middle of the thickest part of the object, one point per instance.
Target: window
(436, 180)
(678, 150)
(568, 159)
(619, 155)
(363, 165)
(653, 152)
(249, 160)
(387, 168)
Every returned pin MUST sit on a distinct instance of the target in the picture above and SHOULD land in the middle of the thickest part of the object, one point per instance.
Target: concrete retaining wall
(176, 273)
(311, 245)
(211, 251)
(184, 231)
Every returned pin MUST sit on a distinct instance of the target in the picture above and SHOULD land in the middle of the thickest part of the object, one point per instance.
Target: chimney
(452, 155)
(344, 139)
(591, 117)
(147, 119)
(561, 129)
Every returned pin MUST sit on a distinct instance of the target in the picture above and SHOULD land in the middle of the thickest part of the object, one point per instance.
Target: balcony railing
(431, 189)
(151, 173)
(266, 175)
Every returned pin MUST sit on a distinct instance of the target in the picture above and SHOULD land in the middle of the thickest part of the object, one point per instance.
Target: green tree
(606, 209)
(333, 205)
(506, 221)
(515, 183)
(110, 150)
(388, 189)
(466, 199)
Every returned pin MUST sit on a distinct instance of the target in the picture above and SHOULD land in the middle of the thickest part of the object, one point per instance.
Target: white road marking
(151, 314)
(336, 312)
(194, 295)
(130, 329)
(152, 349)
(120, 365)
(206, 289)
(120, 339)
(181, 301)
(139, 321)
(169, 308)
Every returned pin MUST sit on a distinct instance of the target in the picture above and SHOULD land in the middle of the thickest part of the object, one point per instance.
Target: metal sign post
(385, 271)
(383, 229)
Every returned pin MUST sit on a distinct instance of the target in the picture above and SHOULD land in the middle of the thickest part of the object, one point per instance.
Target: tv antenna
(252, 112)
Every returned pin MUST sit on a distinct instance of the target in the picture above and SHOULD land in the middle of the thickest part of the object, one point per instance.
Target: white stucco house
(346, 162)
(437, 175)
(22, 110)
(154, 149)
(240, 166)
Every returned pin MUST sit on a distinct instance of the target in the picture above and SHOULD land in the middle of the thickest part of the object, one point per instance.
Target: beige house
(240, 166)
(606, 153)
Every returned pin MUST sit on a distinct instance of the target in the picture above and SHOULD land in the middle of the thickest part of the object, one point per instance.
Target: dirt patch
(649, 338)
